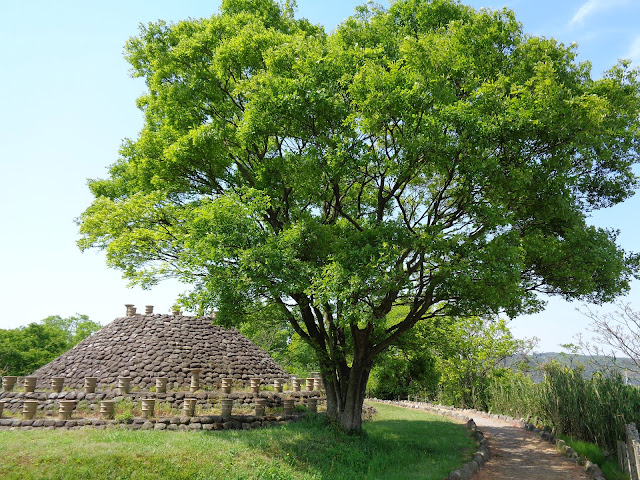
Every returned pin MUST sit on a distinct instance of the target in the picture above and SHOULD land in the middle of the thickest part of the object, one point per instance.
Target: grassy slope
(399, 444)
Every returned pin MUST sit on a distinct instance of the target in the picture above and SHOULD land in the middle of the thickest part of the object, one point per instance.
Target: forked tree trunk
(345, 385)
(344, 403)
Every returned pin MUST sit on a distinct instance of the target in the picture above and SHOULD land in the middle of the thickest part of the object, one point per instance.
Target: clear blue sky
(66, 103)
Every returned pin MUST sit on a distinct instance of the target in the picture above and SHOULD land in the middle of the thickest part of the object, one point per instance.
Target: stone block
(472, 466)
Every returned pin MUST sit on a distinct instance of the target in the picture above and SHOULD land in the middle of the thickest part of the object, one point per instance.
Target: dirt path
(516, 453)
(519, 454)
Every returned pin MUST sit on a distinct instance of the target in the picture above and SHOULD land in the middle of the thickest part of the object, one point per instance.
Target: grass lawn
(398, 444)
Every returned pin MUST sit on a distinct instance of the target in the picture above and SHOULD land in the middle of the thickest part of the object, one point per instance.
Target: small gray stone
(472, 466)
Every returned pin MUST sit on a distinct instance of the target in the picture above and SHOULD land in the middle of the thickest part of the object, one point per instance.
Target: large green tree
(427, 155)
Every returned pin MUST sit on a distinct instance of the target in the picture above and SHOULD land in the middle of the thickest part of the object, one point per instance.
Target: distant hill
(533, 362)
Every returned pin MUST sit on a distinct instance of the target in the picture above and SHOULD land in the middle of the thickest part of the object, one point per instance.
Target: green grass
(398, 444)
(594, 453)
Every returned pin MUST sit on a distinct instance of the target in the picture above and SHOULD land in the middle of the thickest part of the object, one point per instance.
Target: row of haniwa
(124, 384)
(107, 407)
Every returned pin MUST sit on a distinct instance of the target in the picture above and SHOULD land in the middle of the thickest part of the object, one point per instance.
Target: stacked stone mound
(145, 347)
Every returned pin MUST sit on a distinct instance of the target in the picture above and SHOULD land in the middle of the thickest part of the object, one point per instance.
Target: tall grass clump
(516, 395)
(592, 409)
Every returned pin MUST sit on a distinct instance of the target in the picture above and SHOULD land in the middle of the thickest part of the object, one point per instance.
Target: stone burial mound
(147, 346)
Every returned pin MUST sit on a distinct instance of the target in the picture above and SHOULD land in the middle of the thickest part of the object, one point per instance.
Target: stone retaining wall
(49, 401)
(209, 422)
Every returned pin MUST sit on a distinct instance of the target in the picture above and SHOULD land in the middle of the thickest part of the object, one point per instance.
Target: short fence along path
(516, 453)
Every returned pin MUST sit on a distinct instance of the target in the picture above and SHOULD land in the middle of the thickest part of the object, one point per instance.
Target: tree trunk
(345, 385)
(344, 403)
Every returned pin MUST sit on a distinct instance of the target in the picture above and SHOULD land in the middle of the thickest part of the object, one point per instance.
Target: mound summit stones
(146, 346)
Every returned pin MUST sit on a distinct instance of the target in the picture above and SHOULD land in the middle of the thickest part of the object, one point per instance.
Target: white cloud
(592, 6)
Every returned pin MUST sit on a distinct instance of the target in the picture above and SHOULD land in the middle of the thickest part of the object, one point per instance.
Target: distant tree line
(27, 348)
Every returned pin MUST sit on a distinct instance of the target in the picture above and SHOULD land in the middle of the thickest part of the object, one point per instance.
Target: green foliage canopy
(453, 360)
(408, 367)
(75, 328)
(25, 349)
(471, 353)
(428, 155)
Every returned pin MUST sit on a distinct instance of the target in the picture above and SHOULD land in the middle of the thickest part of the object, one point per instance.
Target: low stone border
(479, 458)
(206, 399)
(208, 422)
(590, 467)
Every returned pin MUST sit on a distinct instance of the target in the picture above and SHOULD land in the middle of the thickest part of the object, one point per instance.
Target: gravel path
(519, 454)
(516, 453)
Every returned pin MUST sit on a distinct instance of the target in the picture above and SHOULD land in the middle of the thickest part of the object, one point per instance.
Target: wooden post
(636, 458)
(633, 452)
(622, 455)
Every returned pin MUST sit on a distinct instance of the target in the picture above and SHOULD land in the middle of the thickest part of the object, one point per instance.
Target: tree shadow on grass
(389, 449)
